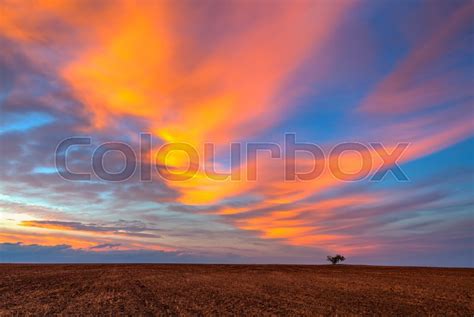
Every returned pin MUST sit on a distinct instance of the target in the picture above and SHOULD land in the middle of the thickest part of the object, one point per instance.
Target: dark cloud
(106, 246)
(33, 253)
(22, 253)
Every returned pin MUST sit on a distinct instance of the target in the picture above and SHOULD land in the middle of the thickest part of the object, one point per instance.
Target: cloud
(183, 88)
(133, 229)
(34, 253)
(397, 112)
(19, 252)
(226, 72)
(106, 246)
(422, 79)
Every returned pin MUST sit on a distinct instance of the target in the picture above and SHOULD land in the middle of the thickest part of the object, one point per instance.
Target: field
(193, 290)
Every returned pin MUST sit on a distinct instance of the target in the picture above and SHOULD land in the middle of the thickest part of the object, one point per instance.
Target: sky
(394, 73)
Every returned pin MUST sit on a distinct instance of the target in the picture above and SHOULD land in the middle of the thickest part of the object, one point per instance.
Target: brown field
(190, 290)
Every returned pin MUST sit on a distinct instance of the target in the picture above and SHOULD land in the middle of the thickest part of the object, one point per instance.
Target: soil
(250, 290)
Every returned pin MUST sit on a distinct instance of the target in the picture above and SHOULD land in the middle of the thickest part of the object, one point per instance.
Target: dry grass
(257, 290)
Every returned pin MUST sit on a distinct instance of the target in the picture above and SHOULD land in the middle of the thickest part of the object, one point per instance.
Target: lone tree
(335, 259)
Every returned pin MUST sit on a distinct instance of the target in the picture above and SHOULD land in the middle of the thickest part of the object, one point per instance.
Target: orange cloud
(297, 222)
(45, 239)
(145, 68)
(147, 65)
(52, 233)
(149, 60)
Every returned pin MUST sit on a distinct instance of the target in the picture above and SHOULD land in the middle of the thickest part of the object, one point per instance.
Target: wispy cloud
(120, 228)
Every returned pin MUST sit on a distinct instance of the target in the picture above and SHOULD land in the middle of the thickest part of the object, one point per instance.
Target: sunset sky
(225, 72)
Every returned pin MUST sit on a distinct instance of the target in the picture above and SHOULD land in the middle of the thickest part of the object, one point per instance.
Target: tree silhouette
(335, 259)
